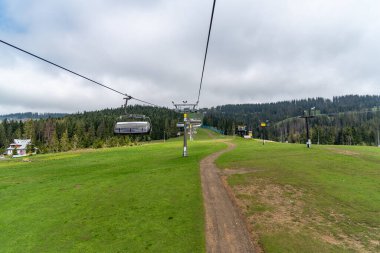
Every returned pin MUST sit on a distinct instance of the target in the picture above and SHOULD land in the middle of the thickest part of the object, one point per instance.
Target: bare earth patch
(276, 207)
(344, 152)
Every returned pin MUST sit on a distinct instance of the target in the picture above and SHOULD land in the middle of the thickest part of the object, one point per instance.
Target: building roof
(21, 143)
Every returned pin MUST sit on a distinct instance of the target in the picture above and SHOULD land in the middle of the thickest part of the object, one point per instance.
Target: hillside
(350, 120)
(147, 198)
(323, 199)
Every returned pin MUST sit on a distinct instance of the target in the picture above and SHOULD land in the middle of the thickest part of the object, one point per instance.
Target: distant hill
(277, 111)
(350, 119)
(31, 115)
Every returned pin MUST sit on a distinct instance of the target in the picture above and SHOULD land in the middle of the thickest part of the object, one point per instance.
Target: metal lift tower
(185, 108)
(308, 114)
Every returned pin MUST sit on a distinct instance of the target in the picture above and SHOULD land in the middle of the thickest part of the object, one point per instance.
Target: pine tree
(29, 130)
(18, 133)
(75, 142)
(3, 137)
(65, 142)
(79, 131)
(54, 143)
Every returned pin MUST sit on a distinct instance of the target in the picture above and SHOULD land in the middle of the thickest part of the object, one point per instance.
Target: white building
(20, 146)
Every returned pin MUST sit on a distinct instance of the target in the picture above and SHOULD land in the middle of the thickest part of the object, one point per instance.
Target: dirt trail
(226, 230)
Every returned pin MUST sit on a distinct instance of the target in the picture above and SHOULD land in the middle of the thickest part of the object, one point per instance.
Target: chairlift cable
(142, 101)
(205, 57)
(75, 73)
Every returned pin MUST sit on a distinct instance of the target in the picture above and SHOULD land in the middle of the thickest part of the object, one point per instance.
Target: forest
(86, 130)
(344, 120)
(31, 115)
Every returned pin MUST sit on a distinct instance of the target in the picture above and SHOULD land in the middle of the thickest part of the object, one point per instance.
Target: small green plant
(14, 152)
(29, 149)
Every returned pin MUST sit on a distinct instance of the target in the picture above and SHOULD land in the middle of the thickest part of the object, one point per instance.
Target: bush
(98, 144)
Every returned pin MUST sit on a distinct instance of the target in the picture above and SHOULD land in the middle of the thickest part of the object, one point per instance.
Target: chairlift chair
(132, 123)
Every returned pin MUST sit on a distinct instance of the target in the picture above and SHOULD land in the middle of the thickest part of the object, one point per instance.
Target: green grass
(134, 199)
(296, 242)
(148, 198)
(340, 184)
(204, 134)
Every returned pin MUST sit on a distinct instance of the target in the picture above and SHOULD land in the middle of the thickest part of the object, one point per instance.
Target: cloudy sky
(260, 51)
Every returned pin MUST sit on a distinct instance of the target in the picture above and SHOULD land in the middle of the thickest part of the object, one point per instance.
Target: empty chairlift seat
(130, 125)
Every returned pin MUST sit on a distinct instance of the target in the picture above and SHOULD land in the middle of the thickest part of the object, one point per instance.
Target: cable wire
(142, 101)
(75, 73)
(205, 57)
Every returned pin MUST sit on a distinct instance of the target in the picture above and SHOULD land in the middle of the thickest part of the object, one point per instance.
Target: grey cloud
(259, 50)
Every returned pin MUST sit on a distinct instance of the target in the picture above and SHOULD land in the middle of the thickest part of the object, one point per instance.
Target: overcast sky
(260, 51)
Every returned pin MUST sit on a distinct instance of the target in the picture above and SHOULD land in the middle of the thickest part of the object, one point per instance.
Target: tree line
(348, 120)
(31, 115)
(86, 130)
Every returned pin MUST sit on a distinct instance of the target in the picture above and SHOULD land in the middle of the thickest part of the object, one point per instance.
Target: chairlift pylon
(132, 123)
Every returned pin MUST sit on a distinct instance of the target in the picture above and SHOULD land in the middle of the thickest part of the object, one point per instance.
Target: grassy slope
(339, 184)
(204, 134)
(135, 199)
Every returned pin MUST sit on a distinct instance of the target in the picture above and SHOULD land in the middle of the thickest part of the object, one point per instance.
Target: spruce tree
(65, 142)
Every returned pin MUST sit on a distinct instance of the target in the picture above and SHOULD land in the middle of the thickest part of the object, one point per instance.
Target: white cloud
(259, 51)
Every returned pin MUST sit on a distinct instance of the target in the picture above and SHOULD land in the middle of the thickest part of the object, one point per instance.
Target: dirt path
(226, 230)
